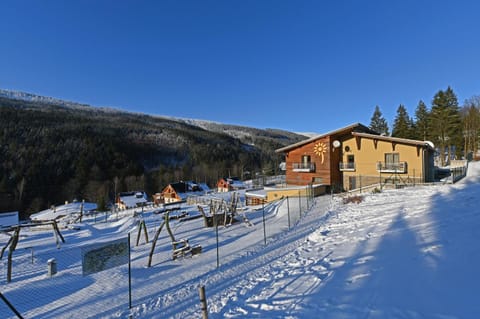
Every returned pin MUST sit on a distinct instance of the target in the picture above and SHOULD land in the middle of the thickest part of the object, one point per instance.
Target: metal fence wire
(49, 281)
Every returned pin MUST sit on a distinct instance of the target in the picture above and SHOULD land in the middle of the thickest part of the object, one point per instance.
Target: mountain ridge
(52, 152)
(205, 124)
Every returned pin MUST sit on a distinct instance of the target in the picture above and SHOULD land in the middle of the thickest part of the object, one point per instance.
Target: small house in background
(228, 184)
(61, 211)
(126, 200)
(177, 192)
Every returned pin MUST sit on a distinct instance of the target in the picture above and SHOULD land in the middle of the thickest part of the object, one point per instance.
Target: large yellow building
(369, 159)
(355, 156)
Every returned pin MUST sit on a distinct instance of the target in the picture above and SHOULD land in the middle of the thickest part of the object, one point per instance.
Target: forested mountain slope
(51, 152)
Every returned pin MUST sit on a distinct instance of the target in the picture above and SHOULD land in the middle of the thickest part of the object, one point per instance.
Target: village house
(128, 200)
(228, 184)
(65, 210)
(355, 156)
(178, 192)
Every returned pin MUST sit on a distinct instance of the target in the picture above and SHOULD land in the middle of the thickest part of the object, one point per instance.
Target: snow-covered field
(406, 253)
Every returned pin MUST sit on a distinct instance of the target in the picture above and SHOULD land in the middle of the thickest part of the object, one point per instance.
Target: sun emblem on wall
(320, 149)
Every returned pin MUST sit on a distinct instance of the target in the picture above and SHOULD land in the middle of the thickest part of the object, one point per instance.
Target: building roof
(234, 182)
(132, 199)
(398, 140)
(183, 189)
(63, 210)
(350, 128)
(256, 193)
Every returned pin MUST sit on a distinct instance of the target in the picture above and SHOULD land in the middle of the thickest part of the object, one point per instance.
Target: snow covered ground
(406, 253)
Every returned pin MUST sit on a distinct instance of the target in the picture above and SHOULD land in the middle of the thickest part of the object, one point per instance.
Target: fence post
(288, 211)
(264, 230)
(203, 301)
(216, 238)
(299, 205)
(129, 275)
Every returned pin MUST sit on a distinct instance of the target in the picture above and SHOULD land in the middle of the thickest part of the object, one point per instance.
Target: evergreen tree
(422, 122)
(378, 122)
(445, 123)
(403, 124)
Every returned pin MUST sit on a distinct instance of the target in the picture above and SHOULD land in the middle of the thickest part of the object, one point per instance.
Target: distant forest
(453, 129)
(50, 154)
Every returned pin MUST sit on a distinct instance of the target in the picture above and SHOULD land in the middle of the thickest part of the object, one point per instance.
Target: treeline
(50, 154)
(454, 129)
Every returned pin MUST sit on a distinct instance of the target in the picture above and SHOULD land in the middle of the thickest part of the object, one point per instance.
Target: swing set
(180, 248)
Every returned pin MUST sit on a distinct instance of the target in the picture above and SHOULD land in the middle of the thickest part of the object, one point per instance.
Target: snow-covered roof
(132, 199)
(257, 193)
(352, 127)
(63, 210)
(184, 189)
(406, 141)
(235, 182)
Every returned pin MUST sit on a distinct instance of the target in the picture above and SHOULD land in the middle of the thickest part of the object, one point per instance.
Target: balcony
(303, 167)
(400, 167)
(349, 167)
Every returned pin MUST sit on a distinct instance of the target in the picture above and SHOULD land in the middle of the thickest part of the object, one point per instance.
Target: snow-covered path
(405, 253)
(408, 253)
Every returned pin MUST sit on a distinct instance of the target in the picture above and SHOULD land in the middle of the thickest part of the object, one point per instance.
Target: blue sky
(309, 66)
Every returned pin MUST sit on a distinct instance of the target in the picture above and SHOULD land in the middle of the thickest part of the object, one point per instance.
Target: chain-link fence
(54, 281)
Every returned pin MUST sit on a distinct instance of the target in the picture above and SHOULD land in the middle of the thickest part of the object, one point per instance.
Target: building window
(306, 159)
(305, 165)
(392, 164)
(392, 159)
(350, 159)
(349, 165)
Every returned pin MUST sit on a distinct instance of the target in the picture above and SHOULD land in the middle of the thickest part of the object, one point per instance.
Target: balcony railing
(347, 166)
(303, 167)
(400, 167)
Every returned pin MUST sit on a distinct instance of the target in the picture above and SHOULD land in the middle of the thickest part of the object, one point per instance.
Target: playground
(179, 242)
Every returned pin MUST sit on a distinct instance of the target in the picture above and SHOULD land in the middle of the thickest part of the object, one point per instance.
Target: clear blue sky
(309, 66)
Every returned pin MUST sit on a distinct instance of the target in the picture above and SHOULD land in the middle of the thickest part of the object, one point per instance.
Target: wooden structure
(220, 212)
(13, 241)
(180, 248)
(178, 192)
(228, 184)
(264, 195)
(336, 159)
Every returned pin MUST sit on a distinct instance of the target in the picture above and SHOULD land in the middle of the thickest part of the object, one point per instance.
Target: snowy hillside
(29, 97)
(407, 253)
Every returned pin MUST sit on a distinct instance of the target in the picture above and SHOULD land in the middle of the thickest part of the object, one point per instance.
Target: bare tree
(471, 124)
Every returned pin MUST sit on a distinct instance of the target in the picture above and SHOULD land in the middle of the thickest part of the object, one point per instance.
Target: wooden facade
(316, 160)
(176, 192)
(335, 158)
(173, 193)
(227, 184)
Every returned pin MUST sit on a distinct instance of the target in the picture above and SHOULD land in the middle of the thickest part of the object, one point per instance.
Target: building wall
(278, 193)
(169, 195)
(222, 186)
(320, 155)
(367, 152)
